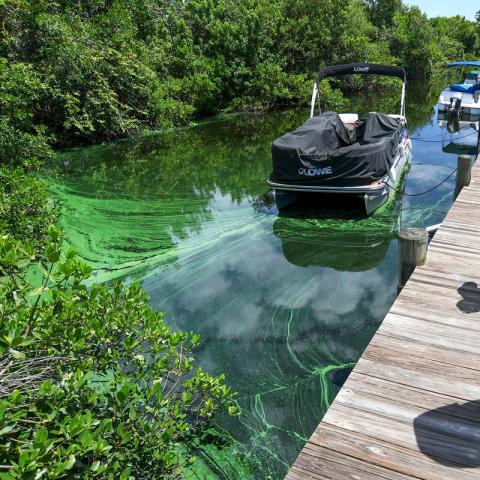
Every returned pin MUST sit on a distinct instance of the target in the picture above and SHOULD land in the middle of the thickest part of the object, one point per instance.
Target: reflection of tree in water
(228, 155)
(127, 204)
(421, 100)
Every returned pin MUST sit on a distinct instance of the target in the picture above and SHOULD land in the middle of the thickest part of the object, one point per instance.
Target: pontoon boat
(342, 154)
(463, 98)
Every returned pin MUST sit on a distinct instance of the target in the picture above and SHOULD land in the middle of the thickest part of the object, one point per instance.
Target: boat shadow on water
(336, 234)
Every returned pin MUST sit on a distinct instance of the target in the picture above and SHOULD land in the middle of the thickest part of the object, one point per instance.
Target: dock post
(464, 173)
(478, 140)
(412, 252)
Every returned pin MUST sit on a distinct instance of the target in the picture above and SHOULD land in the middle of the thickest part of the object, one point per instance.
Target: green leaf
(41, 436)
(70, 462)
(125, 473)
(16, 354)
(37, 291)
(186, 397)
(6, 476)
(7, 429)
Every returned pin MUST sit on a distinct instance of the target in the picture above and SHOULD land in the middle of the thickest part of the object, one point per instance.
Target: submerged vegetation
(93, 384)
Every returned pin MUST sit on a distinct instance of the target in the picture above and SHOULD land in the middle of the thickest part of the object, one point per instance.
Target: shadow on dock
(470, 302)
(450, 434)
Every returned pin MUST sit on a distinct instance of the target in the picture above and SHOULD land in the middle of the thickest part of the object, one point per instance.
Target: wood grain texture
(411, 407)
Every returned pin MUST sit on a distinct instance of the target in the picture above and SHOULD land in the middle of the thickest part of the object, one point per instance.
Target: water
(285, 303)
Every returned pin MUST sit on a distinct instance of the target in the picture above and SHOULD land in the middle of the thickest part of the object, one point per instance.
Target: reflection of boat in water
(344, 240)
(453, 124)
(355, 253)
(467, 126)
(462, 97)
(343, 154)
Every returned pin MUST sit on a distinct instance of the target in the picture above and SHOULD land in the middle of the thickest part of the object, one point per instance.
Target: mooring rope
(426, 191)
(420, 139)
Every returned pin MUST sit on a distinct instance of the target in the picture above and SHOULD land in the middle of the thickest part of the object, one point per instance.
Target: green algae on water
(285, 303)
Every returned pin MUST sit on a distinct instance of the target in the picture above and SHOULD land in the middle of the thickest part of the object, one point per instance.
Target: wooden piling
(412, 252)
(464, 173)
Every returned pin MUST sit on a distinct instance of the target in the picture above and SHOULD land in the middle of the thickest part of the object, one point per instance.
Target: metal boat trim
(325, 189)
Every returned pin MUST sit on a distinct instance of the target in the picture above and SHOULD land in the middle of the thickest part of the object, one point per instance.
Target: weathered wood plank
(338, 466)
(412, 396)
(401, 434)
(424, 381)
(436, 421)
(377, 452)
(428, 351)
(445, 336)
(426, 307)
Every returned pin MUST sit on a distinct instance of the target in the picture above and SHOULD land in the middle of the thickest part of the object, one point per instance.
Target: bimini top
(362, 69)
(465, 63)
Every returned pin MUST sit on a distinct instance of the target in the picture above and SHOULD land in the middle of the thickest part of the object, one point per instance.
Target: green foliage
(462, 35)
(95, 70)
(94, 385)
(383, 12)
(413, 43)
(25, 207)
(109, 392)
(22, 140)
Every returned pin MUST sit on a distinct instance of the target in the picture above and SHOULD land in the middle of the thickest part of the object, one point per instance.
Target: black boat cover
(325, 152)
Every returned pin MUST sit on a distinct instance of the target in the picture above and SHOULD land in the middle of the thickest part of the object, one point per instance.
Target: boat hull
(468, 106)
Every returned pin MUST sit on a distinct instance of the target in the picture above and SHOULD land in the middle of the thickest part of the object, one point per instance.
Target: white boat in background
(463, 98)
(454, 125)
(460, 135)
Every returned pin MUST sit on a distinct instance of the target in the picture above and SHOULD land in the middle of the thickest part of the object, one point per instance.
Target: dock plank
(410, 409)
(402, 462)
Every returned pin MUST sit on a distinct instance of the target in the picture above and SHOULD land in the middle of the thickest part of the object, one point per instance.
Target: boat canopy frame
(359, 69)
(458, 67)
(465, 63)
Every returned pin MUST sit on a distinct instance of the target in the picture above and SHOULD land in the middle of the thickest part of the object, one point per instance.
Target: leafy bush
(24, 149)
(25, 207)
(101, 387)
(23, 142)
(94, 385)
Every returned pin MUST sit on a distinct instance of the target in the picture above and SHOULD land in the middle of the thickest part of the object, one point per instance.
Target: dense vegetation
(93, 384)
(90, 70)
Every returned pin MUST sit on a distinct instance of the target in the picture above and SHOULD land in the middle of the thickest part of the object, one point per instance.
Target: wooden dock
(411, 406)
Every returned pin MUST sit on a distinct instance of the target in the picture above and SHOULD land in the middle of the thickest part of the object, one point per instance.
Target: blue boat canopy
(465, 63)
(465, 87)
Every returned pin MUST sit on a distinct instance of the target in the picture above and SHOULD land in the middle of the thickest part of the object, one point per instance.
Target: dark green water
(285, 304)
